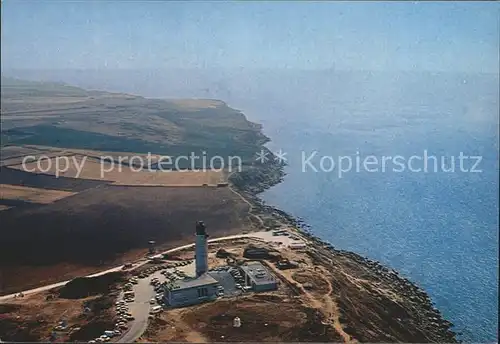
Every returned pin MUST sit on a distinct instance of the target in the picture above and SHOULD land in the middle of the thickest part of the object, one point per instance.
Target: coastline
(255, 179)
(403, 311)
(252, 181)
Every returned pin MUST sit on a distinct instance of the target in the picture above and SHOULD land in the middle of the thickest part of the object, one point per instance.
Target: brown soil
(9, 152)
(17, 177)
(33, 318)
(264, 318)
(332, 296)
(81, 287)
(98, 227)
(33, 195)
(374, 305)
(94, 169)
(16, 154)
(312, 281)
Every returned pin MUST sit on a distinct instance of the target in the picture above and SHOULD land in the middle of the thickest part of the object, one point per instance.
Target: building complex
(204, 287)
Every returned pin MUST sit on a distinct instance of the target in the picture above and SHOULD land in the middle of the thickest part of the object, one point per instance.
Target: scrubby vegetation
(81, 287)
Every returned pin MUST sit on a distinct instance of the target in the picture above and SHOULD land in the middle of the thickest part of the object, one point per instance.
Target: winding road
(119, 268)
(144, 291)
(140, 310)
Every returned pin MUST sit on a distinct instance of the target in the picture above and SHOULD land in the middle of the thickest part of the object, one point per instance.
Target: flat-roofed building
(259, 277)
(193, 290)
(190, 291)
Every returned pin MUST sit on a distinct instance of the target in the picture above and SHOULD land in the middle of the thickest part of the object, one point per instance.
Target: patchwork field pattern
(87, 167)
(103, 226)
(32, 195)
(111, 216)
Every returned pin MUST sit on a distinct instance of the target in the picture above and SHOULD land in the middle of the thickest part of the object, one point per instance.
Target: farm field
(33, 195)
(30, 153)
(119, 157)
(22, 178)
(109, 218)
(95, 169)
(105, 225)
(15, 151)
(112, 217)
(52, 114)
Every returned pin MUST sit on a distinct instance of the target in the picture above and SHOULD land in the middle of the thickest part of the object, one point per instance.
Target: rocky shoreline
(253, 180)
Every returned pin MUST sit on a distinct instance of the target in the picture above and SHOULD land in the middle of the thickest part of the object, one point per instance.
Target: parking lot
(231, 279)
(124, 311)
(148, 295)
(142, 295)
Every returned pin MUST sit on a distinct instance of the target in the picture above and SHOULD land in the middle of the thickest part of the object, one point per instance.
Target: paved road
(118, 268)
(140, 310)
(144, 292)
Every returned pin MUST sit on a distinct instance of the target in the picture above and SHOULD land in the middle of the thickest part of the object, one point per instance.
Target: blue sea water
(440, 229)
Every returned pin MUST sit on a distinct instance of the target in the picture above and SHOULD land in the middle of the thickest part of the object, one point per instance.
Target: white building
(191, 291)
(203, 287)
(258, 277)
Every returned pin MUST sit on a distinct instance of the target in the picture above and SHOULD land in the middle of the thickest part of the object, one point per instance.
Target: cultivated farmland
(103, 226)
(33, 195)
(94, 169)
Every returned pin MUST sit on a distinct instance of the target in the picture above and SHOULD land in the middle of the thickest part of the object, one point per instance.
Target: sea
(421, 193)
(437, 224)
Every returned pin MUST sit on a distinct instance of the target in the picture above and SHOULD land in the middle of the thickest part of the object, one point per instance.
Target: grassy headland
(103, 222)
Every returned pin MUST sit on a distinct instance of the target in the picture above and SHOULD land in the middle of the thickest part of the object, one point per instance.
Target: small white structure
(297, 245)
(236, 322)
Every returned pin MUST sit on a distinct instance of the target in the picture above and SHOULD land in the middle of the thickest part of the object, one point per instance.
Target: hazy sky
(456, 36)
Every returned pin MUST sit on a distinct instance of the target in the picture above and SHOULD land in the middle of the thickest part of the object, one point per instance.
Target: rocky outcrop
(403, 312)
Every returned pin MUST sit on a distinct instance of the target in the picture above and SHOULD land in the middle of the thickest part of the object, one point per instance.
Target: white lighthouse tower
(201, 249)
